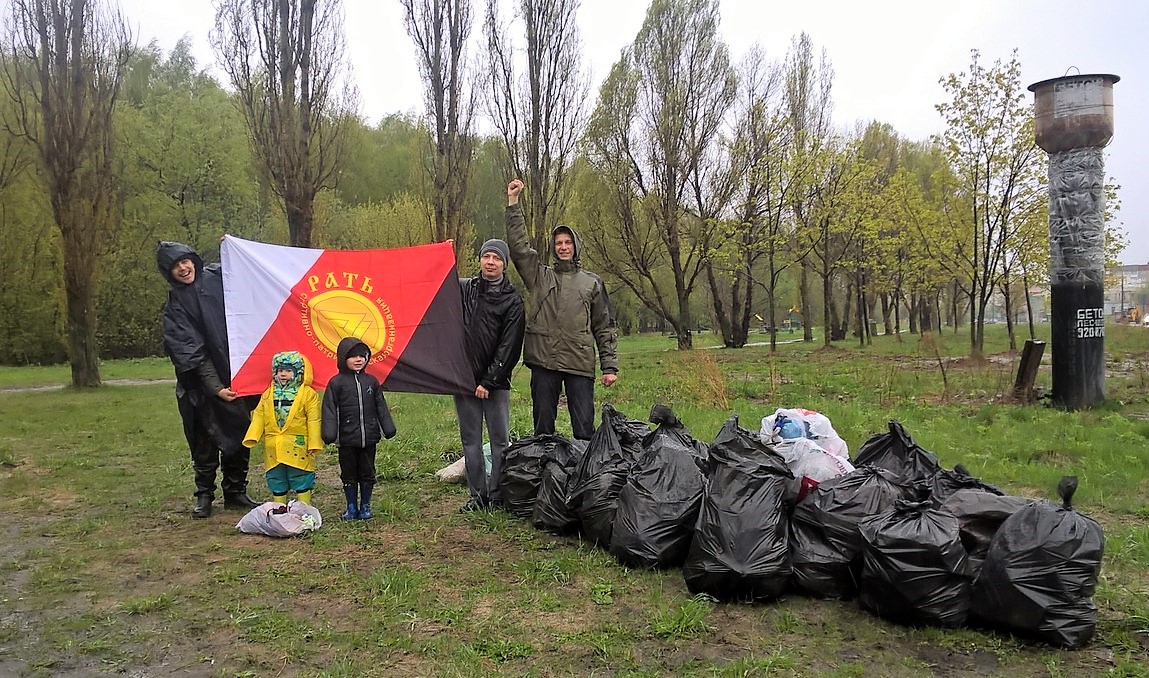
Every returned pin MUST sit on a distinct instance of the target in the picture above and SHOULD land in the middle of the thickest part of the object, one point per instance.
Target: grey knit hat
(498, 247)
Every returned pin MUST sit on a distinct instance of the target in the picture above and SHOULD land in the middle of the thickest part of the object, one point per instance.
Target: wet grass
(105, 572)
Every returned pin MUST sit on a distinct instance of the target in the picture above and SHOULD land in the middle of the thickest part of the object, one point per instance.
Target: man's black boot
(239, 500)
(202, 506)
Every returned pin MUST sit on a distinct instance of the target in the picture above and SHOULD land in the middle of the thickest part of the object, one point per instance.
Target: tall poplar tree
(440, 30)
(285, 59)
(63, 67)
(538, 103)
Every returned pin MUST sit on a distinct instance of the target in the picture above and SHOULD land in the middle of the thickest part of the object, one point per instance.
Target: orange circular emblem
(342, 313)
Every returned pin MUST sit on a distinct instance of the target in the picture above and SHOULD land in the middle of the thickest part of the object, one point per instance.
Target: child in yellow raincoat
(287, 418)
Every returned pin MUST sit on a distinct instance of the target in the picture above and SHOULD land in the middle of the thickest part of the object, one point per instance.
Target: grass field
(105, 573)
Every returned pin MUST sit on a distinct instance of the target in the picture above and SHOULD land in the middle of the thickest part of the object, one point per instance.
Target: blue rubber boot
(365, 501)
(352, 494)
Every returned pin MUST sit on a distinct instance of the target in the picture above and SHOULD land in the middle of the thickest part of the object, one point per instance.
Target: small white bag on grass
(453, 473)
(277, 520)
(456, 472)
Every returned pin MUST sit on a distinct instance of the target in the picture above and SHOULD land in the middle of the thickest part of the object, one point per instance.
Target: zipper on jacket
(362, 419)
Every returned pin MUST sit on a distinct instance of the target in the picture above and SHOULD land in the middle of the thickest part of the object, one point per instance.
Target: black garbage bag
(825, 545)
(980, 514)
(896, 451)
(914, 567)
(1041, 571)
(602, 471)
(739, 550)
(551, 512)
(522, 472)
(944, 483)
(658, 505)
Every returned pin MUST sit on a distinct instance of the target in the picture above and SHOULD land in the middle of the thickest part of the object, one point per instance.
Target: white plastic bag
(811, 424)
(276, 520)
(457, 472)
(806, 459)
(453, 473)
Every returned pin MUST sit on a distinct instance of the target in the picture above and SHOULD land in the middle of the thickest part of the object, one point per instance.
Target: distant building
(1127, 292)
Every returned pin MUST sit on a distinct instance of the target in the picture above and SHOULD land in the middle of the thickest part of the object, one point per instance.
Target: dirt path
(108, 382)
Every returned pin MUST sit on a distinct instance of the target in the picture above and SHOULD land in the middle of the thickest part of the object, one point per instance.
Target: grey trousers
(472, 411)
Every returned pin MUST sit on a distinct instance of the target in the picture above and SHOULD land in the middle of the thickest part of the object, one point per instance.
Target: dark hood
(344, 348)
(574, 236)
(168, 253)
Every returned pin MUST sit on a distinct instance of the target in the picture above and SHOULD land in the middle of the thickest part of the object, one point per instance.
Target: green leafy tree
(653, 141)
(757, 147)
(990, 145)
(384, 161)
(188, 175)
(808, 101)
(30, 264)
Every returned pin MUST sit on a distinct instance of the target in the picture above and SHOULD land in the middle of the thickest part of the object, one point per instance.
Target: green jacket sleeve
(605, 333)
(526, 259)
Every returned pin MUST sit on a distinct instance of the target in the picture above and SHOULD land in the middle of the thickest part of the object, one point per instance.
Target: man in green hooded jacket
(569, 319)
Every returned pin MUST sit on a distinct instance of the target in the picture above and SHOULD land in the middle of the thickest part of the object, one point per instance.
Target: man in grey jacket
(568, 319)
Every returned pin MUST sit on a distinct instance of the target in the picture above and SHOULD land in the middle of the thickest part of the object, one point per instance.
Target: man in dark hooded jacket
(195, 338)
(568, 318)
(493, 335)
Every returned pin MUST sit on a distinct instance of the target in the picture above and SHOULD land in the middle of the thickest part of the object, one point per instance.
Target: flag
(404, 303)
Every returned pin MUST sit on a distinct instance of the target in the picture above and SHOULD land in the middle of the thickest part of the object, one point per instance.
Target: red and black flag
(404, 303)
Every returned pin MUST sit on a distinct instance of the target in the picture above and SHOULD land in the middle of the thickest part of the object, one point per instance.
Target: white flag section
(404, 303)
(257, 281)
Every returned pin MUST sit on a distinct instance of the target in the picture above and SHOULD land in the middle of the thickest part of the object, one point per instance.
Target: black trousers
(545, 388)
(214, 432)
(357, 465)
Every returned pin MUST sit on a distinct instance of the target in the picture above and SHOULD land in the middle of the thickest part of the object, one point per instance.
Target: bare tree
(63, 66)
(440, 29)
(285, 59)
(540, 114)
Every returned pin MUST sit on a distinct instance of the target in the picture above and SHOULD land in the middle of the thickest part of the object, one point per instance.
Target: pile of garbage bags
(756, 514)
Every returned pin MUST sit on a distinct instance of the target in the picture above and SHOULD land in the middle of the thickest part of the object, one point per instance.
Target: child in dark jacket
(355, 415)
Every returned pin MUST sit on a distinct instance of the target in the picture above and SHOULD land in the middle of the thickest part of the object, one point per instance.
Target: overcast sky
(887, 55)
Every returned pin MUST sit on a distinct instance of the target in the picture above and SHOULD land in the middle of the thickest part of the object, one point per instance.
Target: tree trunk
(955, 317)
(829, 311)
(1028, 304)
(804, 300)
(685, 323)
(1006, 289)
(887, 311)
(80, 296)
(898, 314)
(725, 326)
